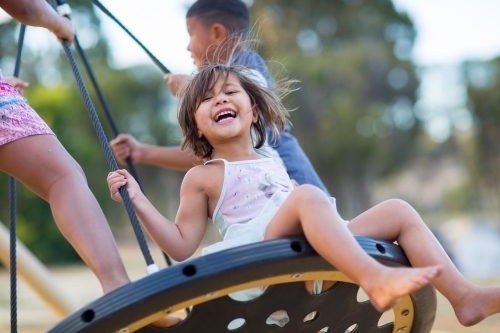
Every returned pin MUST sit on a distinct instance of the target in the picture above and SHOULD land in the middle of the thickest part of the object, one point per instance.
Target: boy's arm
(39, 13)
(170, 157)
(125, 145)
(176, 82)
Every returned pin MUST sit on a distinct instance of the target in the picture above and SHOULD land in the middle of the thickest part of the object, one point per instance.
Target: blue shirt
(298, 165)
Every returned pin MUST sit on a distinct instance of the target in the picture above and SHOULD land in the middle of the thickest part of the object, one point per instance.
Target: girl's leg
(42, 164)
(308, 211)
(395, 220)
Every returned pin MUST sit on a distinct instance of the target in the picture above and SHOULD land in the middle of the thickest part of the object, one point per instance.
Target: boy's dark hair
(232, 14)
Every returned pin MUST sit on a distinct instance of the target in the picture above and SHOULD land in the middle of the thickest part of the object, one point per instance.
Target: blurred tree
(483, 82)
(355, 107)
(138, 98)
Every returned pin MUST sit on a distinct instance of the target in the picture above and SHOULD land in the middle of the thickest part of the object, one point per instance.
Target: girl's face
(225, 112)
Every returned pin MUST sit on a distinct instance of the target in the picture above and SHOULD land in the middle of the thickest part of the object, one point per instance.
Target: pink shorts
(17, 119)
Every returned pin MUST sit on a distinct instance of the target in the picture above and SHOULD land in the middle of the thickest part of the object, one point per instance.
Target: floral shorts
(17, 119)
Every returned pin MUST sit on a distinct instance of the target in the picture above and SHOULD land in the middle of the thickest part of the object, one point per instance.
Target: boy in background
(210, 24)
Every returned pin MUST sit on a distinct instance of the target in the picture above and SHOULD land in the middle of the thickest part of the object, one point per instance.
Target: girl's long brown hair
(271, 111)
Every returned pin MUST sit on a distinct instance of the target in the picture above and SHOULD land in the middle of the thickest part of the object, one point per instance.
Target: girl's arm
(39, 13)
(180, 239)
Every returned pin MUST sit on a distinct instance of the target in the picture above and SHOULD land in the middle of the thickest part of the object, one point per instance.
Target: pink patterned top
(17, 119)
(248, 186)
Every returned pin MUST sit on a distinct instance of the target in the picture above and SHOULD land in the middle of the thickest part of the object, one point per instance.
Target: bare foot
(478, 305)
(390, 284)
(167, 321)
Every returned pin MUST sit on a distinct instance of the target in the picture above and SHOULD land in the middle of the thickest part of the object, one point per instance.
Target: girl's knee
(79, 171)
(71, 174)
(398, 205)
(402, 208)
(71, 168)
(306, 194)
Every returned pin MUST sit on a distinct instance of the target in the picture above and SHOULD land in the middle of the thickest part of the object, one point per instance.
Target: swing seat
(283, 264)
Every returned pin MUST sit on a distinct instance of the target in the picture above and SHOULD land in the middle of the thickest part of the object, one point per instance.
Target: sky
(159, 24)
(448, 31)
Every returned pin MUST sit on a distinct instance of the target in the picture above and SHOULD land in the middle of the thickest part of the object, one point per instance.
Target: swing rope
(152, 267)
(105, 105)
(12, 204)
(157, 62)
(109, 116)
(13, 261)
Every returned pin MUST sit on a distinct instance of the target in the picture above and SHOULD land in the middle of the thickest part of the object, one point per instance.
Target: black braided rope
(13, 205)
(105, 105)
(111, 119)
(106, 148)
(20, 43)
(13, 262)
(111, 16)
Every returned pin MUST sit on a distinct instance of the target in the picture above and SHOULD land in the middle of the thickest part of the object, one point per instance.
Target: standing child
(213, 24)
(250, 198)
(30, 152)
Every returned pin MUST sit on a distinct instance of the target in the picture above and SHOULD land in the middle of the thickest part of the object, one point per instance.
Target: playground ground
(34, 316)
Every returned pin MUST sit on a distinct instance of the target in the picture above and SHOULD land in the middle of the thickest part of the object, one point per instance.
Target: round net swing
(283, 264)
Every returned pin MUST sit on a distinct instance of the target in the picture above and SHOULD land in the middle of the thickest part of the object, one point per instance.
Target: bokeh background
(397, 99)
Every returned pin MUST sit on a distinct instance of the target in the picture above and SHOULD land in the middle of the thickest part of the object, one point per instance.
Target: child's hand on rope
(121, 178)
(65, 30)
(175, 82)
(17, 83)
(125, 145)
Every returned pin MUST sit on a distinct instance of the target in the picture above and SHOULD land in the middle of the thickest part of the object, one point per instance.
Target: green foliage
(348, 118)
(459, 199)
(483, 81)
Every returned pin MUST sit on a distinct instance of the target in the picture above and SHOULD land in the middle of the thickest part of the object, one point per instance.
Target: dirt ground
(34, 316)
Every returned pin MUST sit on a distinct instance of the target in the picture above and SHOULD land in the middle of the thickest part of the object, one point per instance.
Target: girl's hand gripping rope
(120, 178)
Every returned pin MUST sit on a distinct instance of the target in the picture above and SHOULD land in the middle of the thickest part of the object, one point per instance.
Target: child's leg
(308, 211)
(395, 220)
(43, 165)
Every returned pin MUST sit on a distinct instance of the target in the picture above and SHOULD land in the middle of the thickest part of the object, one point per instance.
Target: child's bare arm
(175, 82)
(192, 215)
(40, 14)
(180, 239)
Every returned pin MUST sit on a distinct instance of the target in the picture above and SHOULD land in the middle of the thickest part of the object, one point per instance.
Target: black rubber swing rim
(203, 277)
